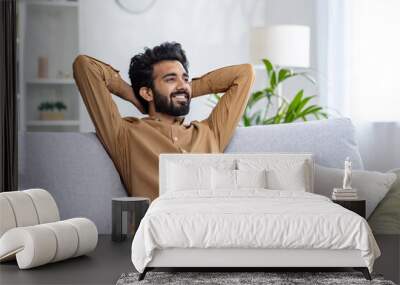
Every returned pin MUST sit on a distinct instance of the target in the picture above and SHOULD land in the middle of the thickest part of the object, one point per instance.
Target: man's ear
(146, 93)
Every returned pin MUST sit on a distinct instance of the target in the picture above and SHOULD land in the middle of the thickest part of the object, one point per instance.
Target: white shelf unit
(59, 3)
(48, 28)
(51, 81)
(39, 123)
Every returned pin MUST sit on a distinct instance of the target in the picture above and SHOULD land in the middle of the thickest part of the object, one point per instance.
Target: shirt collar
(178, 120)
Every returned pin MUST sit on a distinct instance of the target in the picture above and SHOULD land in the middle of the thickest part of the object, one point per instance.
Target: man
(161, 89)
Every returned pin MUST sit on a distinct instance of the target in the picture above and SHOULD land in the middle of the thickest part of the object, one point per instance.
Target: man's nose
(182, 85)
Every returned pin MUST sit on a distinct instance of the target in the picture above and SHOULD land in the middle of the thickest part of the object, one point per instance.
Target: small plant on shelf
(51, 110)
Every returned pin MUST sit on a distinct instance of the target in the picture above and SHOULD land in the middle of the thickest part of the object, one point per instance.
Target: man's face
(172, 90)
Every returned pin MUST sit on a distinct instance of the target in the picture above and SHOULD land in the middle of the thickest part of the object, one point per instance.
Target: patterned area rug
(225, 278)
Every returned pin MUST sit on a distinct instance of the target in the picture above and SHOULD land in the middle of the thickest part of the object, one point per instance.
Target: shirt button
(175, 138)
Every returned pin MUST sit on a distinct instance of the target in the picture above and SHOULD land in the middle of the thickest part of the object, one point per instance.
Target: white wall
(344, 84)
(213, 34)
(296, 12)
(379, 144)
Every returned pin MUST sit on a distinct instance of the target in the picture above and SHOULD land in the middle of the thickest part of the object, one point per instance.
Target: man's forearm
(122, 89)
(117, 86)
(235, 82)
(221, 80)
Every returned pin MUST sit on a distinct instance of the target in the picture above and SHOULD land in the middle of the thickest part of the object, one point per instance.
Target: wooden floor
(111, 259)
(103, 266)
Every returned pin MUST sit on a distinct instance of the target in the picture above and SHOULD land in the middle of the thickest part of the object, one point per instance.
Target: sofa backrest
(80, 175)
(330, 141)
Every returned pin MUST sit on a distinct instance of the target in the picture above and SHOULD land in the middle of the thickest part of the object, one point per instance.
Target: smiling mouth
(181, 97)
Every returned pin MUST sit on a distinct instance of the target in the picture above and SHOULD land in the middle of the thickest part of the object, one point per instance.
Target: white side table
(135, 208)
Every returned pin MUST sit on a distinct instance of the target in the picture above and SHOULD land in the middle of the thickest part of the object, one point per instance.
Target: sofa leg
(143, 274)
(364, 271)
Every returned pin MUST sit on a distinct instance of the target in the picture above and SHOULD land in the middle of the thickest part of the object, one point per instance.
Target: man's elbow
(80, 63)
(248, 71)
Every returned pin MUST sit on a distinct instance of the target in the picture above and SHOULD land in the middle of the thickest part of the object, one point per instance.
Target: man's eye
(170, 79)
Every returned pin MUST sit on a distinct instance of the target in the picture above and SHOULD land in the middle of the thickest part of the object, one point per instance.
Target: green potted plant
(52, 110)
(267, 106)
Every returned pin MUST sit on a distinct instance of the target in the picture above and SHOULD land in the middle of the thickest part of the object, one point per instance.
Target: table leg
(116, 221)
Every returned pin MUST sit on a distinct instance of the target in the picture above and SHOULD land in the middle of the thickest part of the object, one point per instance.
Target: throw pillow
(386, 217)
(371, 185)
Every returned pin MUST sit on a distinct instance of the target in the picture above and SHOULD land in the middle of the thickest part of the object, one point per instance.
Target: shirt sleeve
(96, 80)
(235, 81)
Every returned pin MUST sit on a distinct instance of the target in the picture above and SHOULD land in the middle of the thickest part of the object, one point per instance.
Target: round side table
(127, 212)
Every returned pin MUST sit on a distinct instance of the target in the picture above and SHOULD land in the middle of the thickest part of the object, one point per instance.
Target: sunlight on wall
(375, 92)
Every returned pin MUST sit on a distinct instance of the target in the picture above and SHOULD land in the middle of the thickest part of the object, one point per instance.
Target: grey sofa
(79, 174)
(77, 171)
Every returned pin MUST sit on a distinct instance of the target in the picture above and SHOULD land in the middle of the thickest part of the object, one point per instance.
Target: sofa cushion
(330, 141)
(75, 169)
(386, 217)
(371, 185)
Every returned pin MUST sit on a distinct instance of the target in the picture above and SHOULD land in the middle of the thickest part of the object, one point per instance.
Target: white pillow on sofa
(371, 185)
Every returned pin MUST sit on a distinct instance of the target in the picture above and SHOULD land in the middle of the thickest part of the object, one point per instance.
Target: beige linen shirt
(134, 144)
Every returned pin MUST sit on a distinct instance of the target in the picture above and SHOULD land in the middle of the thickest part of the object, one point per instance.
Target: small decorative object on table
(127, 212)
(347, 192)
(347, 196)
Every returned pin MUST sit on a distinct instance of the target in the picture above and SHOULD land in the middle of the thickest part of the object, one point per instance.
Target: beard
(165, 104)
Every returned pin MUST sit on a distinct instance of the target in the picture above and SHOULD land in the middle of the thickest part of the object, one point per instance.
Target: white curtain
(358, 63)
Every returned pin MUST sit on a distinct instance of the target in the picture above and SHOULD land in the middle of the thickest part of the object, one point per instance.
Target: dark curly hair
(141, 67)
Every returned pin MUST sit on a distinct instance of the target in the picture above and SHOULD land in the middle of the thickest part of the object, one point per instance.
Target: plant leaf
(255, 97)
(246, 121)
(303, 103)
(268, 66)
(272, 80)
(284, 74)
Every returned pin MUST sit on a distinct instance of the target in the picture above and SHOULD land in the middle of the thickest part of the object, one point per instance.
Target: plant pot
(51, 115)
